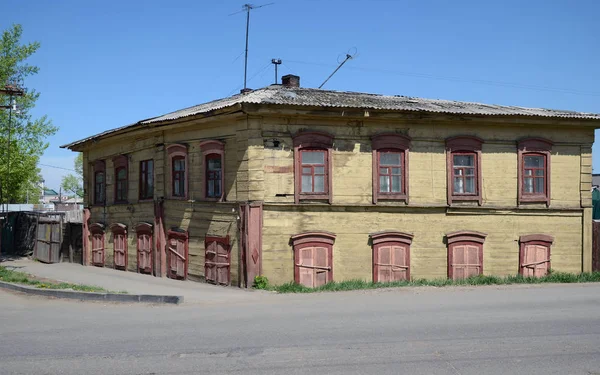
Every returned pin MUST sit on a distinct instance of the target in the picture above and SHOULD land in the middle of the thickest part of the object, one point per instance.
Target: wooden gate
(119, 232)
(97, 233)
(217, 263)
(391, 263)
(48, 240)
(144, 248)
(177, 255)
(465, 261)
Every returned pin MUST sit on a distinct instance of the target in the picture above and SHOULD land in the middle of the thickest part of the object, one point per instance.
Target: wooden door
(465, 261)
(144, 253)
(98, 249)
(313, 265)
(120, 250)
(217, 260)
(391, 263)
(536, 260)
(177, 254)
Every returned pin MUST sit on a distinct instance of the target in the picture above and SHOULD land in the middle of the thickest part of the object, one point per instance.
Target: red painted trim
(403, 195)
(535, 239)
(174, 152)
(391, 236)
(208, 148)
(312, 239)
(463, 145)
(464, 237)
(121, 162)
(535, 146)
(160, 250)
(144, 229)
(390, 140)
(95, 229)
(182, 236)
(313, 140)
(119, 229)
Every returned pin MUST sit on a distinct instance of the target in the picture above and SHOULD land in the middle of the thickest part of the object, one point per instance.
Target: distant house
(309, 185)
(596, 180)
(49, 195)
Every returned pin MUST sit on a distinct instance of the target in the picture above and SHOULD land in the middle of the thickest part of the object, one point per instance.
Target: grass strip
(553, 277)
(17, 277)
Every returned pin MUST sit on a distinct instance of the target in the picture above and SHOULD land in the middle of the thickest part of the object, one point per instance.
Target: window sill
(145, 200)
(220, 199)
(178, 198)
(392, 197)
(121, 203)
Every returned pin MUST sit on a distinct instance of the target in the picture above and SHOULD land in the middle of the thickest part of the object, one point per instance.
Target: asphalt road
(552, 329)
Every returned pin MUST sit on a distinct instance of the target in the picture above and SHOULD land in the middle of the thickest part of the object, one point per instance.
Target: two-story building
(312, 185)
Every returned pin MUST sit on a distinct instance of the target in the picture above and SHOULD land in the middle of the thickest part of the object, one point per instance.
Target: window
(391, 256)
(97, 234)
(534, 170)
(146, 179)
(214, 170)
(121, 177)
(313, 258)
(99, 182)
(390, 172)
(465, 254)
(312, 155)
(178, 160)
(463, 156)
(177, 254)
(534, 254)
(119, 232)
(217, 260)
(144, 247)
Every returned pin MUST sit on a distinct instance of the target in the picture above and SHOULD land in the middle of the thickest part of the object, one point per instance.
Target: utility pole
(12, 91)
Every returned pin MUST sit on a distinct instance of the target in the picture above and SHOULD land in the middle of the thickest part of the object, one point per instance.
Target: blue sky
(109, 63)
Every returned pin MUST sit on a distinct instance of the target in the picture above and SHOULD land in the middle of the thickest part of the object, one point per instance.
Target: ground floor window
(177, 254)
(534, 254)
(313, 258)
(217, 260)
(97, 234)
(465, 254)
(391, 256)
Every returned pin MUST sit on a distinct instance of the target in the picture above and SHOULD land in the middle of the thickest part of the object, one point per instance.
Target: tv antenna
(352, 53)
(276, 62)
(247, 8)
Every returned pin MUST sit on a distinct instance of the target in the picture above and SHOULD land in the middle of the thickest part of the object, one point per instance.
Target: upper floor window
(121, 176)
(534, 170)
(178, 157)
(390, 161)
(312, 155)
(463, 159)
(214, 170)
(147, 179)
(99, 182)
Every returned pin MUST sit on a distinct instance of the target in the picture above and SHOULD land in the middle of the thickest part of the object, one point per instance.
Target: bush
(261, 282)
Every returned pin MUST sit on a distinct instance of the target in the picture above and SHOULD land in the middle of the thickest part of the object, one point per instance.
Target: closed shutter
(178, 257)
(314, 269)
(465, 261)
(536, 259)
(144, 250)
(217, 260)
(98, 249)
(120, 252)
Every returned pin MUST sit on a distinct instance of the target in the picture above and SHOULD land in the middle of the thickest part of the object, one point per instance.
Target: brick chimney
(290, 80)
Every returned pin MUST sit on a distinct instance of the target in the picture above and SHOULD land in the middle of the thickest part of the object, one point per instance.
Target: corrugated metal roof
(308, 97)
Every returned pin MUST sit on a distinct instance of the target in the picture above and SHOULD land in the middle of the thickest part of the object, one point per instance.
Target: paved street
(552, 329)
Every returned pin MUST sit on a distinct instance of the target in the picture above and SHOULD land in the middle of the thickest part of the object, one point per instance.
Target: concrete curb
(91, 296)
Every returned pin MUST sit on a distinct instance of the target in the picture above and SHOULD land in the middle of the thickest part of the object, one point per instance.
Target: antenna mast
(348, 57)
(247, 8)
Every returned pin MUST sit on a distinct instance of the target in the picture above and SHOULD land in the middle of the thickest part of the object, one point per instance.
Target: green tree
(74, 183)
(27, 135)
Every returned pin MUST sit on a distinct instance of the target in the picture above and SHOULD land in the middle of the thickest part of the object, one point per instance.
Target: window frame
(97, 229)
(209, 148)
(178, 152)
(534, 239)
(121, 162)
(143, 183)
(313, 239)
(535, 147)
(99, 167)
(464, 145)
(182, 236)
(463, 238)
(389, 238)
(313, 141)
(390, 142)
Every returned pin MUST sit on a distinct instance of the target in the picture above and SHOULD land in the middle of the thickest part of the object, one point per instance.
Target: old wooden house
(308, 185)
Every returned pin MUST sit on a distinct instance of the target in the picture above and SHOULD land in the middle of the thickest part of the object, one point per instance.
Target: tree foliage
(74, 183)
(27, 135)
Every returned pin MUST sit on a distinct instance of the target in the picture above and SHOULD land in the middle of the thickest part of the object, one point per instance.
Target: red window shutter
(536, 261)
(458, 262)
(399, 263)
(321, 266)
(306, 264)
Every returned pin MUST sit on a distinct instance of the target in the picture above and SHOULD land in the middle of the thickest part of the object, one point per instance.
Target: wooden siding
(352, 254)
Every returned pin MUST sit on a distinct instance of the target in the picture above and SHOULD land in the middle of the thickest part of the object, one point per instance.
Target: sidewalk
(134, 283)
